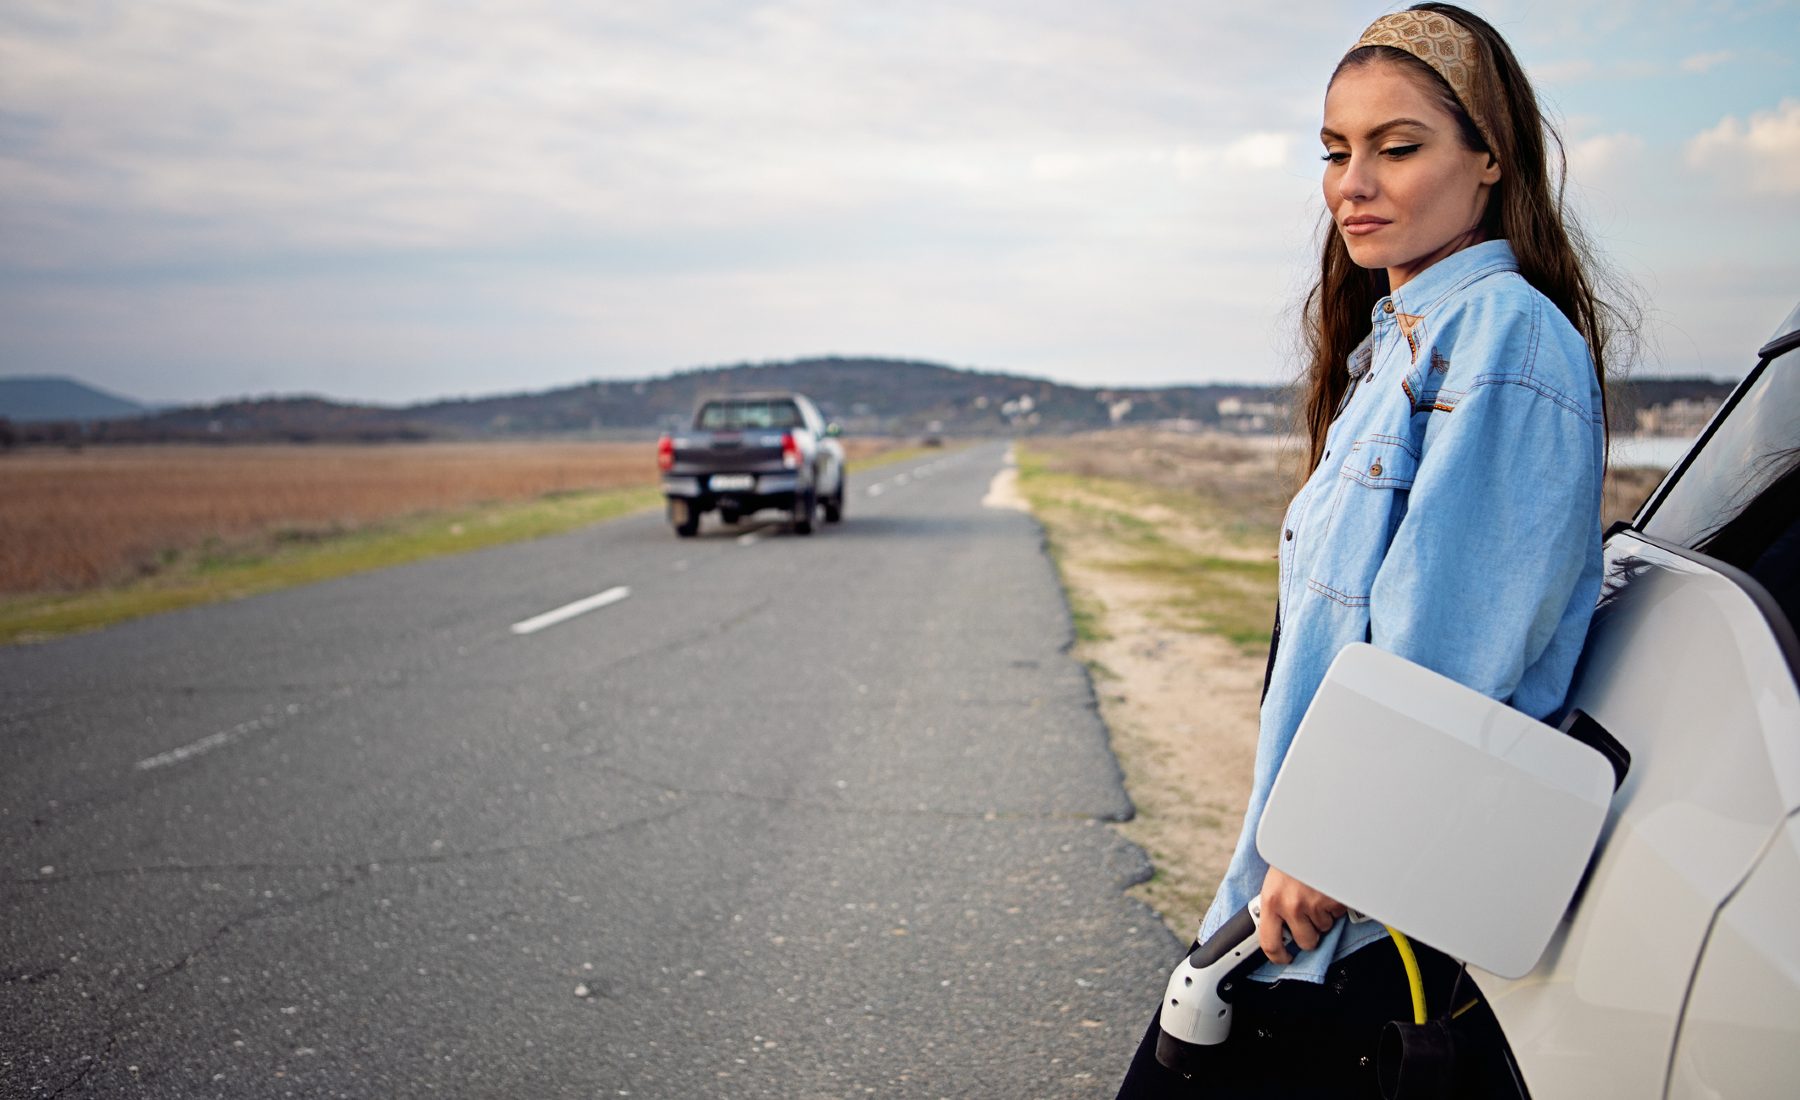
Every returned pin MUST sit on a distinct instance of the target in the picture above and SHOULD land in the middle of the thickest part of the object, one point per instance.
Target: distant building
(1251, 417)
(1683, 418)
(1020, 409)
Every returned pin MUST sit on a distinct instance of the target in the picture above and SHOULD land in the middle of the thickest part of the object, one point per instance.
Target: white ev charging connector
(1196, 1008)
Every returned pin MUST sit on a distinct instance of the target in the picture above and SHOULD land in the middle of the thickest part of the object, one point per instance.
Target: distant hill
(273, 419)
(866, 396)
(44, 398)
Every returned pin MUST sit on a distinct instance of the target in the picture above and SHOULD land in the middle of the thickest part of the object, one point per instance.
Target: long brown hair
(1524, 208)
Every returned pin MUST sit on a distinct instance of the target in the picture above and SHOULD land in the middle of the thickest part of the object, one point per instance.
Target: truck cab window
(727, 416)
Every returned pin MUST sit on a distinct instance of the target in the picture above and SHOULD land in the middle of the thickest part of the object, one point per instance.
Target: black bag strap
(1274, 643)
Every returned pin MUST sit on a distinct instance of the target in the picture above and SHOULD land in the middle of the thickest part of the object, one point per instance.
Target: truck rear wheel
(834, 504)
(684, 516)
(805, 505)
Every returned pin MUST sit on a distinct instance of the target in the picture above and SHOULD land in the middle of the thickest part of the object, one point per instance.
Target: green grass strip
(283, 559)
(1200, 592)
(217, 571)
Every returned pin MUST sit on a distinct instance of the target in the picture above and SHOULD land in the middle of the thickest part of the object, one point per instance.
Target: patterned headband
(1441, 43)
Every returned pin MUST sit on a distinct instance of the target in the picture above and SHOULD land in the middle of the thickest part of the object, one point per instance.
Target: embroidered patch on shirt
(1408, 323)
(1438, 405)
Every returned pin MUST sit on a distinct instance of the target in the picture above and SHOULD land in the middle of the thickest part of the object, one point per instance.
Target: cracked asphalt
(801, 817)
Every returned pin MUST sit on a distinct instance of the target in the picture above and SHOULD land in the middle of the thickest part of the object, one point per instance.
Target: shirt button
(1290, 535)
(1387, 307)
(1327, 454)
(1375, 470)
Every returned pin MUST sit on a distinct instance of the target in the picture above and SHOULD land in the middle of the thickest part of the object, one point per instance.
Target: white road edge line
(570, 610)
(216, 740)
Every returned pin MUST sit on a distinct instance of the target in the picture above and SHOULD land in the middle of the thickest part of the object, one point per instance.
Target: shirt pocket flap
(1381, 462)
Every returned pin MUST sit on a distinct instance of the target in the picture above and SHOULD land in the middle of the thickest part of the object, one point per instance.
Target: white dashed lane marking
(917, 473)
(754, 535)
(570, 610)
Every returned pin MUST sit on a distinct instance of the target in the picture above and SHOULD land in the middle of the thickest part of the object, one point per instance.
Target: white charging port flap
(1437, 810)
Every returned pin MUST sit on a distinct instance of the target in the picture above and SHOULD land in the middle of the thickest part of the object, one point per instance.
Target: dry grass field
(93, 537)
(71, 520)
(1166, 547)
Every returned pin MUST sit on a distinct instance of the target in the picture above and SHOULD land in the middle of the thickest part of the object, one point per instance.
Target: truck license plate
(732, 483)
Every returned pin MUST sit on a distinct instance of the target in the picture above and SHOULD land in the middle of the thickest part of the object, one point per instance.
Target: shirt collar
(1362, 354)
(1425, 289)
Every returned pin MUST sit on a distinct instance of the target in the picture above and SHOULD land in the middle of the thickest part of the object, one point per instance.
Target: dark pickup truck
(753, 451)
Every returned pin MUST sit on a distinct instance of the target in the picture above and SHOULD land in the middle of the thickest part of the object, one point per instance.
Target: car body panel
(1740, 1036)
(1681, 667)
(1786, 336)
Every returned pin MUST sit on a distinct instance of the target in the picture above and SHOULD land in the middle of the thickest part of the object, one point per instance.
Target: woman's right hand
(1304, 912)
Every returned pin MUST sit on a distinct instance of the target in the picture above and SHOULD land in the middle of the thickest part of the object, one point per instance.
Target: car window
(1739, 500)
(727, 416)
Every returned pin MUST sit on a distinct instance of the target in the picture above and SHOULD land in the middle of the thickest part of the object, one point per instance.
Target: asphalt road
(790, 816)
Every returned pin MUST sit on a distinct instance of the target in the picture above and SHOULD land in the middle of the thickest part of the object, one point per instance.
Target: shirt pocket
(1424, 386)
(1368, 503)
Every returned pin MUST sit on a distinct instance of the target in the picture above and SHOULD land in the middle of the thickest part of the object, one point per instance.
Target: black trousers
(1300, 1039)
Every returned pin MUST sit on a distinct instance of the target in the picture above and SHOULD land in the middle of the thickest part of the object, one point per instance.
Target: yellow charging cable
(1414, 981)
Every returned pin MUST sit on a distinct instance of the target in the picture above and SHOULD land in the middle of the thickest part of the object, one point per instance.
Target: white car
(1654, 951)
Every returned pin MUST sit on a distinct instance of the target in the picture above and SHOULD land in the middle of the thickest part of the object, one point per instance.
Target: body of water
(1660, 451)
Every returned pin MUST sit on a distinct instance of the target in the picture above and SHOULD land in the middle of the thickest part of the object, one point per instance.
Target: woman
(1456, 426)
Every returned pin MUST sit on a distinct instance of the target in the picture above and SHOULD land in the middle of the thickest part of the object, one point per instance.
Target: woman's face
(1401, 186)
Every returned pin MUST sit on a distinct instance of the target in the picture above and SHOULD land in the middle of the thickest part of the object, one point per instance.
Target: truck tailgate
(705, 452)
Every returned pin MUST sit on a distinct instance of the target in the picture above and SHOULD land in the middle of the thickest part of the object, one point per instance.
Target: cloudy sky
(394, 201)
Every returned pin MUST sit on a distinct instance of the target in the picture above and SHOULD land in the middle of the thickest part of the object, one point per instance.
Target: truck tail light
(665, 453)
(790, 451)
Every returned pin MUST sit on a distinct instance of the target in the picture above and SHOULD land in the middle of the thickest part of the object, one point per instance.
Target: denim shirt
(1454, 520)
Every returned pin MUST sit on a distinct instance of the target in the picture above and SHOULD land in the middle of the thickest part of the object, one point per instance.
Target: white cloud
(1576, 70)
(1264, 150)
(274, 127)
(1097, 190)
(1703, 62)
(1602, 155)
(1253, 152)
(1565, 71)
(1760, 156)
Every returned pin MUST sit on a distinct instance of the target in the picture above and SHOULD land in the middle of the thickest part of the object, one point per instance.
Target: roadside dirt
(1166, 543)
(1178, 694)
(1181, 708)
